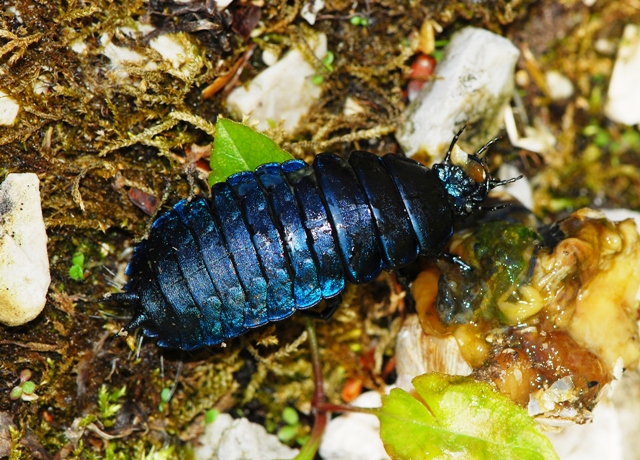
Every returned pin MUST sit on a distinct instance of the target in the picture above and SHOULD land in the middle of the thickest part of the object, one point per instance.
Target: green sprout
(165, 397)
(76, 272)
(211, 415)
(359, 21)
(328, 60)
(293, 430)
(108, 403)
(438, 53)
(26, 390)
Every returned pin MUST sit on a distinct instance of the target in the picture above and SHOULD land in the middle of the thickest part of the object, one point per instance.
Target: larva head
(466, 179)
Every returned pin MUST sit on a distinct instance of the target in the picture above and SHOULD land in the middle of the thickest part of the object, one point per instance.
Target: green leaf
(290, 416)
(105, 400)
(211, 415)
(287, 433)
(117, 394)
(239, 148)
(29, 387)
(78, 259)
(165, 395)
(458, 417)
(76, 273)
(16, 393)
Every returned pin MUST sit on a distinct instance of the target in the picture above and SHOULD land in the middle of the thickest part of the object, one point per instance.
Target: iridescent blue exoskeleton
(285, 237)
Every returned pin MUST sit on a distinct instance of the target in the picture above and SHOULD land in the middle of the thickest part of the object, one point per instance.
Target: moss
(92, 135)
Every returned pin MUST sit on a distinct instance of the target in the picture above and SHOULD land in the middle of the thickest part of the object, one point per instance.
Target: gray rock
(24, 265)
(474, 82)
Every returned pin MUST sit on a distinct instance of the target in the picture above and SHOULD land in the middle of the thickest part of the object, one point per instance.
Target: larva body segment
(282, 238)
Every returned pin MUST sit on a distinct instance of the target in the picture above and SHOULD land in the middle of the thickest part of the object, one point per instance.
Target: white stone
(222, 4)
(613, 433)
(352, 107)
(24, 265)
(282, 93)
(79, 47)
(560, 87)
(42, 85)
(474, 84)
(353, 436)
(119, 55)
(239, 439)
(170, 49)
(16, 13)
(310, 10)
(605, 46)
(9, 109)
(623, 96)
(270, 57)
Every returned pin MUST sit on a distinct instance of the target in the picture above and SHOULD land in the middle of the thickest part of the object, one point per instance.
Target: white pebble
(474, 84)
(613, 434)
(270, 56)
(353, 436)
(352, 107)
(560, 87)
(310, 10)
(239, 439)
(172, 50)
(9, 109)
(623, 103)
(221, 5)
(282, 93)
(24, 265)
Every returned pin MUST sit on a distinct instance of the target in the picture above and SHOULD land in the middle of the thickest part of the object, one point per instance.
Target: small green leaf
(458, 417)
(118, 393)
(359, 21)
(239, 148)
(317, 80)
(28, 387)
(105, 400)
(165, 395)
(211, 415)
(78, 259)
(287, 433)
(25, 375)
(290, 416)
(301, 440)
(328, 60)
(16, 393)
(76, 273)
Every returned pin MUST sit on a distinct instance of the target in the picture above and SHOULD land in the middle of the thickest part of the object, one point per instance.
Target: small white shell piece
(24, 265)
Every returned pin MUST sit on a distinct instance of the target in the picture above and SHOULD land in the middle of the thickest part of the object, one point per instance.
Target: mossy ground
(94, 139)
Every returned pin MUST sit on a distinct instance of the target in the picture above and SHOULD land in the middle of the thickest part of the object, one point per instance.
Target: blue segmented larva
(282, 238)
